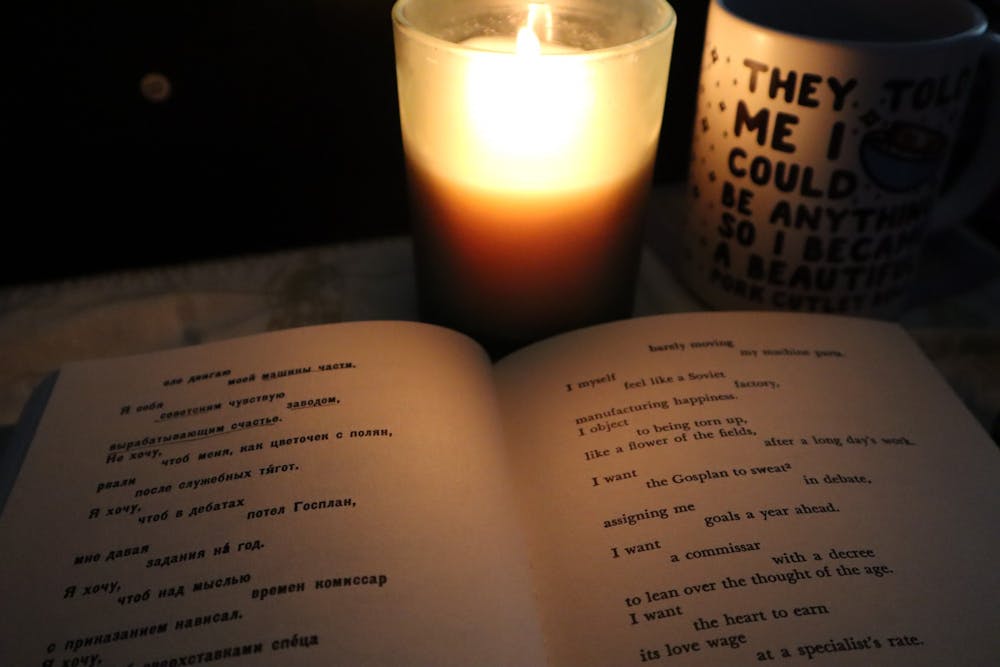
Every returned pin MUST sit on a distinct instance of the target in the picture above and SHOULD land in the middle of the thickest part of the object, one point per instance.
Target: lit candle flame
(527, 112)
(528, 42)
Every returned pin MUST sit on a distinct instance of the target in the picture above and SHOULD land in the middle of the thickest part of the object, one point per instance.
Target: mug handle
(981, 174)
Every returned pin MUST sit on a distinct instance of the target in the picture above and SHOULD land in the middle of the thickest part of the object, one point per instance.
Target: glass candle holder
(530, 131)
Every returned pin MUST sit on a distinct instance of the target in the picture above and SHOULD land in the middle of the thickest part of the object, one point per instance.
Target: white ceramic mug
(821, 137)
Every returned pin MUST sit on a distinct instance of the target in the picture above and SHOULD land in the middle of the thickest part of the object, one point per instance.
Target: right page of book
(747, 488)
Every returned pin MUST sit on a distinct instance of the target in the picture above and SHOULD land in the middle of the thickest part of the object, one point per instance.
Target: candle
(529, 148)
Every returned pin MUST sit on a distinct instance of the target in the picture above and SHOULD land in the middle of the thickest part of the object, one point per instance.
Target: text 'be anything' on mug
(821, 137)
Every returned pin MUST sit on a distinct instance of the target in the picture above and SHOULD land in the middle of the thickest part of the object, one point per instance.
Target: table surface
(955, 315)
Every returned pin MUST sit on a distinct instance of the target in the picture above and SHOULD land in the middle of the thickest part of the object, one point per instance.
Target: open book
(697, 489)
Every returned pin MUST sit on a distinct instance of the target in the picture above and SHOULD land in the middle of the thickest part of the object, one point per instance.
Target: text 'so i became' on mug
(822, 133)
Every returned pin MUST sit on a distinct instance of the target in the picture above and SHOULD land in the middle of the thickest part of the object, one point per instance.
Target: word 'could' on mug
(822, 133)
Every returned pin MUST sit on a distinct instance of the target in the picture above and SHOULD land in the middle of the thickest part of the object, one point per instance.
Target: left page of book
(319, 496)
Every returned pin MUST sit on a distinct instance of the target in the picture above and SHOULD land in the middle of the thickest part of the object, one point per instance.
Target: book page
(320, 496)
(736, 489)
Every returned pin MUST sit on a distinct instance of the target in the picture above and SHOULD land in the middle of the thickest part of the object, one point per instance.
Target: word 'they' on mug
(821, 137)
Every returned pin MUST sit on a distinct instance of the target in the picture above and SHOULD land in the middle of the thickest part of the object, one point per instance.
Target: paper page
(321, 496)
(735, 489)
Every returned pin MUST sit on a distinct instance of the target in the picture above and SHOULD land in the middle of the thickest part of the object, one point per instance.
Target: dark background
(280, 130)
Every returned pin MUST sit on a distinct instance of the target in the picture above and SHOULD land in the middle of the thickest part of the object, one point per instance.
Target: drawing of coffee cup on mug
(822, 135)
(903, 157)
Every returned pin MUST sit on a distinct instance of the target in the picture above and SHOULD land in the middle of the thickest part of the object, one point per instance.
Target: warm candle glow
(530, 143)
